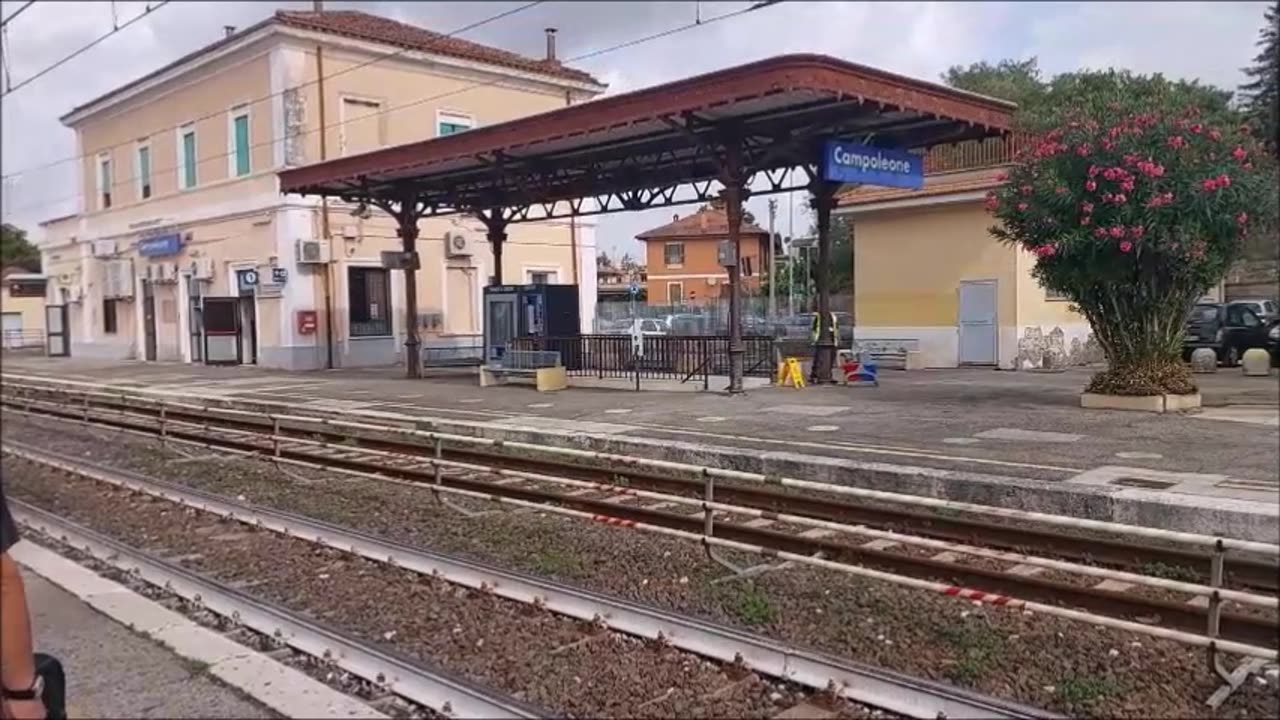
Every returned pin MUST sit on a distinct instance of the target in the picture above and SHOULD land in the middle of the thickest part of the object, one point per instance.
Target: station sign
(160, 245)
(851, 162)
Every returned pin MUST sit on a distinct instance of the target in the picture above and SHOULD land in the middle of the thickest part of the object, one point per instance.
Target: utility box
(527, 311)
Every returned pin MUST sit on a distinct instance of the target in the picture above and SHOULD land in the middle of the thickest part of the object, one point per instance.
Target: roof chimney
(228, 30)
(551, 44)
(675, 217)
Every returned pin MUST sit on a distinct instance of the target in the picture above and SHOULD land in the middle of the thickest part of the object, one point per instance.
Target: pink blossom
(1085, 220)
(1086, 207)
(1083, 149)
(1224, 180)
(1137, 231)
(1197, 128)
(1214, 134)
(1022, 206)
(993, 202)
(1239, 153)
(1107, 144)
(1002, 176)
(1090, 185)
(1100, 232)
(1111, 174)
(1160, 200)
(1116, 231)
(1060, 190)
(1177, 142)
(1247, 166)
(1025, 189)
(1127, 185)
(1242, 218)
(1107, 197)
(1210, 184)
(1130, 159)
(1045, 251)
(1094, 170)
(1126, 246)
(1121, 198)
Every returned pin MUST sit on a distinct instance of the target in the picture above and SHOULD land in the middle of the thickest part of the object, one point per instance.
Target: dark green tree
(1260, 96)
(16, 250)
(1015, 80)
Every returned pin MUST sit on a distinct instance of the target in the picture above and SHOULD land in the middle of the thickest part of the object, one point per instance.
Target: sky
(1206, 41)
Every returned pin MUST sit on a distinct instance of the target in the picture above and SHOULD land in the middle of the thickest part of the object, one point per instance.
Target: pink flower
(993, 202)
(1085, 220)
(1130, 159)
(1177, 142)
(1107, 197)
(1242, 218)
(1083, 149)
(1160, 200)
(1100, 232)
(1045, 251)
(1210, 184)
(1060, 190)
(1137, 231)
(1239, 153)
(1107, 144)
(1025, 189)
(1247, 166)
(1224, 180)
(1214, 134)
(1116, 231)
(1127, 185)
(1126, 246)
(1022, 207)
(1094, 170)
(1090, 185)
(1110, 174)
(1086, 207)
(1197, 128)
(1120, 198)
(1002, 176)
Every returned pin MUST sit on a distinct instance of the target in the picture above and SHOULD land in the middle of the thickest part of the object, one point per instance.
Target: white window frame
(235, 113)
(342, 119)
(182, 156)
(151, 168)
(103, 189)
(452, 117)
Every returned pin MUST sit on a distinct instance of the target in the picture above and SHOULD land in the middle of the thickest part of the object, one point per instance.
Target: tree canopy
(16, 250)
(1014, 80)
(1260, 96)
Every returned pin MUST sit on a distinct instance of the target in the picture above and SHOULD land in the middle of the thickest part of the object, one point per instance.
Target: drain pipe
(325, 230)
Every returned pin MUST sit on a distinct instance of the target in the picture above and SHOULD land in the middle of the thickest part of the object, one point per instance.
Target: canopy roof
(632, 151)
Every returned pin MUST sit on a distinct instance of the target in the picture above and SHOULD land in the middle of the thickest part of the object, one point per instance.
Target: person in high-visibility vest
(814, 330)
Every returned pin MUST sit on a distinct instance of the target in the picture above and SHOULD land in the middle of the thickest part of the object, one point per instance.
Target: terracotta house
(683, 257)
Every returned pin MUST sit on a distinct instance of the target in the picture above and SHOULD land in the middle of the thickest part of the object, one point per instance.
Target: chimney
(228, 30)
(675, 217)
(551, 45)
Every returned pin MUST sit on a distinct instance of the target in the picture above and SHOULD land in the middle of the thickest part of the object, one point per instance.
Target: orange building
(683, 257)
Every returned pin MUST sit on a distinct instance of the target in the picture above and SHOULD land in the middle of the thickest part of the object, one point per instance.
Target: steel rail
(437, 690)
(1241, 628)
(857, 682)
(623, 464)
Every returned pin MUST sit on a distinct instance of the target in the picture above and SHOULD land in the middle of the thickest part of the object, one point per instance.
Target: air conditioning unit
(104, 248)
(457, 244)
(312, 252)
(117, 279)
(202, 268)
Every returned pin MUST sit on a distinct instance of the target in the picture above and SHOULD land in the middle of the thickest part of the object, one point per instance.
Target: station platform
(112, 672)
(1025, 425)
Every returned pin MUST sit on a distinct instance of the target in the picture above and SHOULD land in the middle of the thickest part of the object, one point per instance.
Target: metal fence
(684, 358)
(712, 318)
(22, 339)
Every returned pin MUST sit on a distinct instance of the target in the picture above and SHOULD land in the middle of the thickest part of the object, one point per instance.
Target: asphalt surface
(115, 673)
(1027, 424)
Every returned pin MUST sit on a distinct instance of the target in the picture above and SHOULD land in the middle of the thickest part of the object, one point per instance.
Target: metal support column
(732, 178)
(407, 220)
(824, 355)
(497, 236)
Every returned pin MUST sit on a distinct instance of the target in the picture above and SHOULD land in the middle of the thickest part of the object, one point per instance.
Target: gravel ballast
(1065, 666)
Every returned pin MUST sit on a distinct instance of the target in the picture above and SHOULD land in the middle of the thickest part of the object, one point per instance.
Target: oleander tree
(1135, 195)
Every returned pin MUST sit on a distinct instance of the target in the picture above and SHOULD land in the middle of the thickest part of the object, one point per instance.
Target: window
(187, 157)
(1054, 296)
(449, 123)
(109, 317)
(104, 182)
(239, 151)
(362, 127)
(675, 293)
(1242, 316)
(673, 254)
(143, 171)
(369, 302)
(542, 277)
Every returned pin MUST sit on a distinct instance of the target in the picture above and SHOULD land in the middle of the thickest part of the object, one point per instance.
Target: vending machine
(520, 311)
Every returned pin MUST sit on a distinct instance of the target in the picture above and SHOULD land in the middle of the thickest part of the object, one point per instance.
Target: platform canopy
(634, 150)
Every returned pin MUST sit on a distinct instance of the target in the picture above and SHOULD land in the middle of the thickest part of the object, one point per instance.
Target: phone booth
(520, 311)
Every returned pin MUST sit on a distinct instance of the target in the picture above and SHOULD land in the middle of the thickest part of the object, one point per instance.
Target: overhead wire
(17, 12)
(413, 103)
(145, 13)
(271, 96)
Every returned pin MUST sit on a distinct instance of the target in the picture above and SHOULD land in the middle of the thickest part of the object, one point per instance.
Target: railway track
(584, 623)
(1182, 610)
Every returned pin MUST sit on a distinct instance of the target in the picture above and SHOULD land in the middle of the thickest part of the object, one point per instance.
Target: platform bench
(541, 366)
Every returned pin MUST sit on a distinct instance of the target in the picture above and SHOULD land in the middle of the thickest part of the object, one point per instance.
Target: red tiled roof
(363, 26)
(709, 221)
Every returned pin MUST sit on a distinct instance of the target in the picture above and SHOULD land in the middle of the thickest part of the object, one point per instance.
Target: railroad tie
(880, 544)
(660, 506)
(1025, 570)
(805, 711)
(759, 523)
(1199, 601)
(1113, 585)
(946, 556)
(816, 533)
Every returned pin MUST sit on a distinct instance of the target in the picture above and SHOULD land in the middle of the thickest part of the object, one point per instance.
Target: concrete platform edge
(289, 691)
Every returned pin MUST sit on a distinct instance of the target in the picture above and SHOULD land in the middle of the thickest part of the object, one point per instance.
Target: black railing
(665, 357)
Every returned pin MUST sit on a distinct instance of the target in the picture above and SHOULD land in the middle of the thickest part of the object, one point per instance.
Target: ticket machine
(519, 311)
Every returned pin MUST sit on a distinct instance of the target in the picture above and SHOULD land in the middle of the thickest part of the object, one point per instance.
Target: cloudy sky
(1208, 41)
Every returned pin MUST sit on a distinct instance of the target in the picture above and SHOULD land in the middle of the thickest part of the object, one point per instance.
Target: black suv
(1228, 328)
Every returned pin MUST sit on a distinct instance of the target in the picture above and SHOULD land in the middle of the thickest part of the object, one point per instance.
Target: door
(249, 324)
(221, 320)
(56, 330)
(499, 325)
(978, 322)
(12, 326)
(148, 322)
(1244, 329)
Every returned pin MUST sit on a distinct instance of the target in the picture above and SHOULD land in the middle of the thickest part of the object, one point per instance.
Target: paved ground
(115, 673)
(1025, 424)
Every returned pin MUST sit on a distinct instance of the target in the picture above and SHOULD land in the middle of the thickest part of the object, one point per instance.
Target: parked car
(1268, 310)
(1229, 329)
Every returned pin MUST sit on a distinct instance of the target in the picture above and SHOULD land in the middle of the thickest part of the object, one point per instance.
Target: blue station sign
(850, 162)
(160, 245)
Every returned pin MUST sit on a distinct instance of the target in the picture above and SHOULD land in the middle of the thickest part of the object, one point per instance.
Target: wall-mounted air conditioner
(104, 248)
(457, 244)
(202, 268)
(312, 252)
(117, 280)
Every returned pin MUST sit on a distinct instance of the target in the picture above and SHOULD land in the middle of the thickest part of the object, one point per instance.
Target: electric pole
(773, 262)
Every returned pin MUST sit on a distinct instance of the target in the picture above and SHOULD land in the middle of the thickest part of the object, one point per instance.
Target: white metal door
(978, 326)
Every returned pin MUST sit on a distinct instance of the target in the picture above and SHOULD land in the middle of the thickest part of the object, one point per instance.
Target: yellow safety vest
(832, 329)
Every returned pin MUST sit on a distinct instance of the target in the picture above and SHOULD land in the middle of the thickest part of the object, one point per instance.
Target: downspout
(324, 208)
(573, 217)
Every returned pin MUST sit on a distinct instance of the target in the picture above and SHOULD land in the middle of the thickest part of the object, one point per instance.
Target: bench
(542, 366)
(452, 356)
(895, 353)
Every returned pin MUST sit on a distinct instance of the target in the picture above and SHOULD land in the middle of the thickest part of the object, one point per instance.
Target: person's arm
(17, 658)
